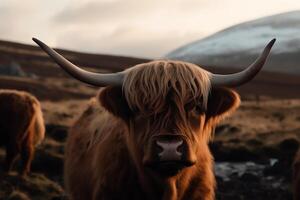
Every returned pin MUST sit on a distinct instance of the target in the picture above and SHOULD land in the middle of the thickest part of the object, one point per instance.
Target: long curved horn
(91, 78)
(246, 75)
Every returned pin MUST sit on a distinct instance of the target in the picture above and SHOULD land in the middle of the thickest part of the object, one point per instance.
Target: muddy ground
(253, 151)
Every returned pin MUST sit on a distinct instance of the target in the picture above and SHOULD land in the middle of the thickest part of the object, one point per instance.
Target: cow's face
(169, 129)
(169, 139)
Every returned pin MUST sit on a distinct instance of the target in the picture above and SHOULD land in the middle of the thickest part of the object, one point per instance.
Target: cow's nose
(170, 149)
(169, 152)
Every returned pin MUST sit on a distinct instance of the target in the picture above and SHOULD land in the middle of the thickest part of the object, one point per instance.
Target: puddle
(226, 170)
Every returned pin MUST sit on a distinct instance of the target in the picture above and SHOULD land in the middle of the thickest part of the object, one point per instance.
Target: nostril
(158, 148)
(180, 148)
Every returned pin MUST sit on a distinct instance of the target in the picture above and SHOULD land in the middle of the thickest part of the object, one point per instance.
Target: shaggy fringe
(146, 86)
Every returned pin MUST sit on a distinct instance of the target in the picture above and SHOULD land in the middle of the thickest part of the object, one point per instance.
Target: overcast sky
(144, 28)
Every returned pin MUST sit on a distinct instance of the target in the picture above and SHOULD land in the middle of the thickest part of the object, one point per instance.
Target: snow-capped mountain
(239, 45)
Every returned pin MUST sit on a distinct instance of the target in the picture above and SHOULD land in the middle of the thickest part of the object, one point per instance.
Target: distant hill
(239, 45)
(32, 59)
(53, 83)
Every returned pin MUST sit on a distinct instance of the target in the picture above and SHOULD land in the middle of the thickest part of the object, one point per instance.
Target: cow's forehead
(149, 84)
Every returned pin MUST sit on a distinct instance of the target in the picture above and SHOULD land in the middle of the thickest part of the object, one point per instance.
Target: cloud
(124, 41)
(101, 11)
(21, 20)
(147, 28)
(129, 12)
(127, 27)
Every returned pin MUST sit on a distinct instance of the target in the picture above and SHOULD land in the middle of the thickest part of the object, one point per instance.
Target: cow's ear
(221, 103)
(113, 100)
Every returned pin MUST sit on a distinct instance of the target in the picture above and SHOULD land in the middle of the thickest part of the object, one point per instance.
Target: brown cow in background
(296, 176)
(21, 127)
(146, 135)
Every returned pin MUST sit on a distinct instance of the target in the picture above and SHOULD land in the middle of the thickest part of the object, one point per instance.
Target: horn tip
(271, 43)
(40, 43)
(34, 39)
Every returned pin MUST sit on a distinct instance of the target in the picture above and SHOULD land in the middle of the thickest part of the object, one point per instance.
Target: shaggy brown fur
(21, 127)
(296, 176)
(107, 144)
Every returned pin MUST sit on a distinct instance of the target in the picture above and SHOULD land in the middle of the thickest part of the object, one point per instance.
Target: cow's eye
(198, 110)
(189, 107)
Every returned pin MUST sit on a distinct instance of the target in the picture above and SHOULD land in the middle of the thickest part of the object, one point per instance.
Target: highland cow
(296, 176)
(146, 134)
(21, 127)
